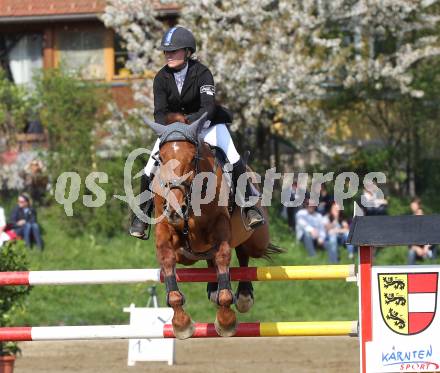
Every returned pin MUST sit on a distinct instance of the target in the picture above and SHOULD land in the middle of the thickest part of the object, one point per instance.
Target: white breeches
(217, 135)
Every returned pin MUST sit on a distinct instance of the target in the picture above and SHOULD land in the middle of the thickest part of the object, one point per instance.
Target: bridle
(186, 188)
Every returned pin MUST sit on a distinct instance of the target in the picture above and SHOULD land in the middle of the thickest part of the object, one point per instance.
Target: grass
(103, 304)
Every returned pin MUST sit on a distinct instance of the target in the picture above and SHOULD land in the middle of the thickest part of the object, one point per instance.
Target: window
(25, 56)
(121, 56)
(82, 51)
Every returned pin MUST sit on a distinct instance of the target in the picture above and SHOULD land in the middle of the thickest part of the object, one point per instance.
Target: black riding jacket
(196, 98)
(19, 213)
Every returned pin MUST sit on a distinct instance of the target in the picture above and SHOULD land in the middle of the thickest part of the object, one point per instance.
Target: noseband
(186, 189)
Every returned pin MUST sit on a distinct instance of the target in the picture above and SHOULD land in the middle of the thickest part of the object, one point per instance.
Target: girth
(191, 255)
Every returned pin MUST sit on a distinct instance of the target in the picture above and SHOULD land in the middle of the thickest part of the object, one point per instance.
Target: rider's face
(175, 59)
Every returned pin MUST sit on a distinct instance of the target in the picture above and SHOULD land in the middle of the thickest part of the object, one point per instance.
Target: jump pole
(202, 330)
(129, 276)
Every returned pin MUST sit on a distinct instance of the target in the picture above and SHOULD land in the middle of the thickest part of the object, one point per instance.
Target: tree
(270, 71)
(14, 109)
(386, 47)
(137, 22)
(279, 63)
(266, 69)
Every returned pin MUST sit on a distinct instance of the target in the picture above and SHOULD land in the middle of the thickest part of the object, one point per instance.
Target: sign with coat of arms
(405, 325)
(408, 300)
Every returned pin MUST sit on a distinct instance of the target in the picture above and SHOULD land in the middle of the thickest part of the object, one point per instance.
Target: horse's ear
(196, 127)
(156, 127)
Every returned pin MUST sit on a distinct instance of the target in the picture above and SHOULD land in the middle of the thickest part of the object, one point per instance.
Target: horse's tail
(272, 249)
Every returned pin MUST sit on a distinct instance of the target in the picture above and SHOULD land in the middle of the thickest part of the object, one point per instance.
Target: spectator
(337, 229)
(291, 211)
(5, 233)
(421, 252)
(325, 200)
(35, 180)
(373, 205)
(24, 220)
(2, 218)
(310, 228)
(415, 205)
(34, 127)
(3, 236)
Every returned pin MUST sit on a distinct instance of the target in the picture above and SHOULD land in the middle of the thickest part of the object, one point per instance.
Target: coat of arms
(408, 300)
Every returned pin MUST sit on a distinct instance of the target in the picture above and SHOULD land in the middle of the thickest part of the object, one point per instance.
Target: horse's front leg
(211, 287)
(226, 321)
(183, 326)
(244, 296)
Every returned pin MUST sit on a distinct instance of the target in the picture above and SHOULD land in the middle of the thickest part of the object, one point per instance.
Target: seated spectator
(24, 220)
(372, 204)
(310, 227)
(421, 252)
(337, 229)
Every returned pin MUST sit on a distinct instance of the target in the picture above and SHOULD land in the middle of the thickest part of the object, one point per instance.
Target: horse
(185, 237)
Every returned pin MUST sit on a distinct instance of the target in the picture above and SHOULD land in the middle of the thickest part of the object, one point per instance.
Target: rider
(186, 86)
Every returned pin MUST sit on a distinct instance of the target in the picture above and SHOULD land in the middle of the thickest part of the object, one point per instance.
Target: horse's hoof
(186, 332)
(244, 302)
(225, 332)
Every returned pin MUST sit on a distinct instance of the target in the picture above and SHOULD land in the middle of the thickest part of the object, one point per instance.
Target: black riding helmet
(178, 38)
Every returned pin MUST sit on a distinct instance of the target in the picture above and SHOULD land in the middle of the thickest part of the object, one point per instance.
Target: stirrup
(140, 235)
(248, 224)
(255, 217)
(138, 227)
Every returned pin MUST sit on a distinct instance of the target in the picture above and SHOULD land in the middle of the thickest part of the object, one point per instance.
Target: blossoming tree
(276, 61)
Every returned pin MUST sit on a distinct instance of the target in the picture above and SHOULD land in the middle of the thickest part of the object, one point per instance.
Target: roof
(27, 8)
(22, 8)
(395, 230)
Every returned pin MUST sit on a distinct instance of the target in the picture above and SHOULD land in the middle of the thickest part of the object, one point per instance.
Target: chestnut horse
(184, 237)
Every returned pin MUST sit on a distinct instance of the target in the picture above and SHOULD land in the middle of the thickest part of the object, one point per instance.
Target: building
(42, 34)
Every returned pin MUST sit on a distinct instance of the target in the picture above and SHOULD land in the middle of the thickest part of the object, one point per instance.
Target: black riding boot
(253, 214)
(138, 227)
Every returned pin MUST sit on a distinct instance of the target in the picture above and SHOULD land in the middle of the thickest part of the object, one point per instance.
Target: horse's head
(179, 161)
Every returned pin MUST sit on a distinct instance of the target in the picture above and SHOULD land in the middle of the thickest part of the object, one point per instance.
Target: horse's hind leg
(245, 292)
